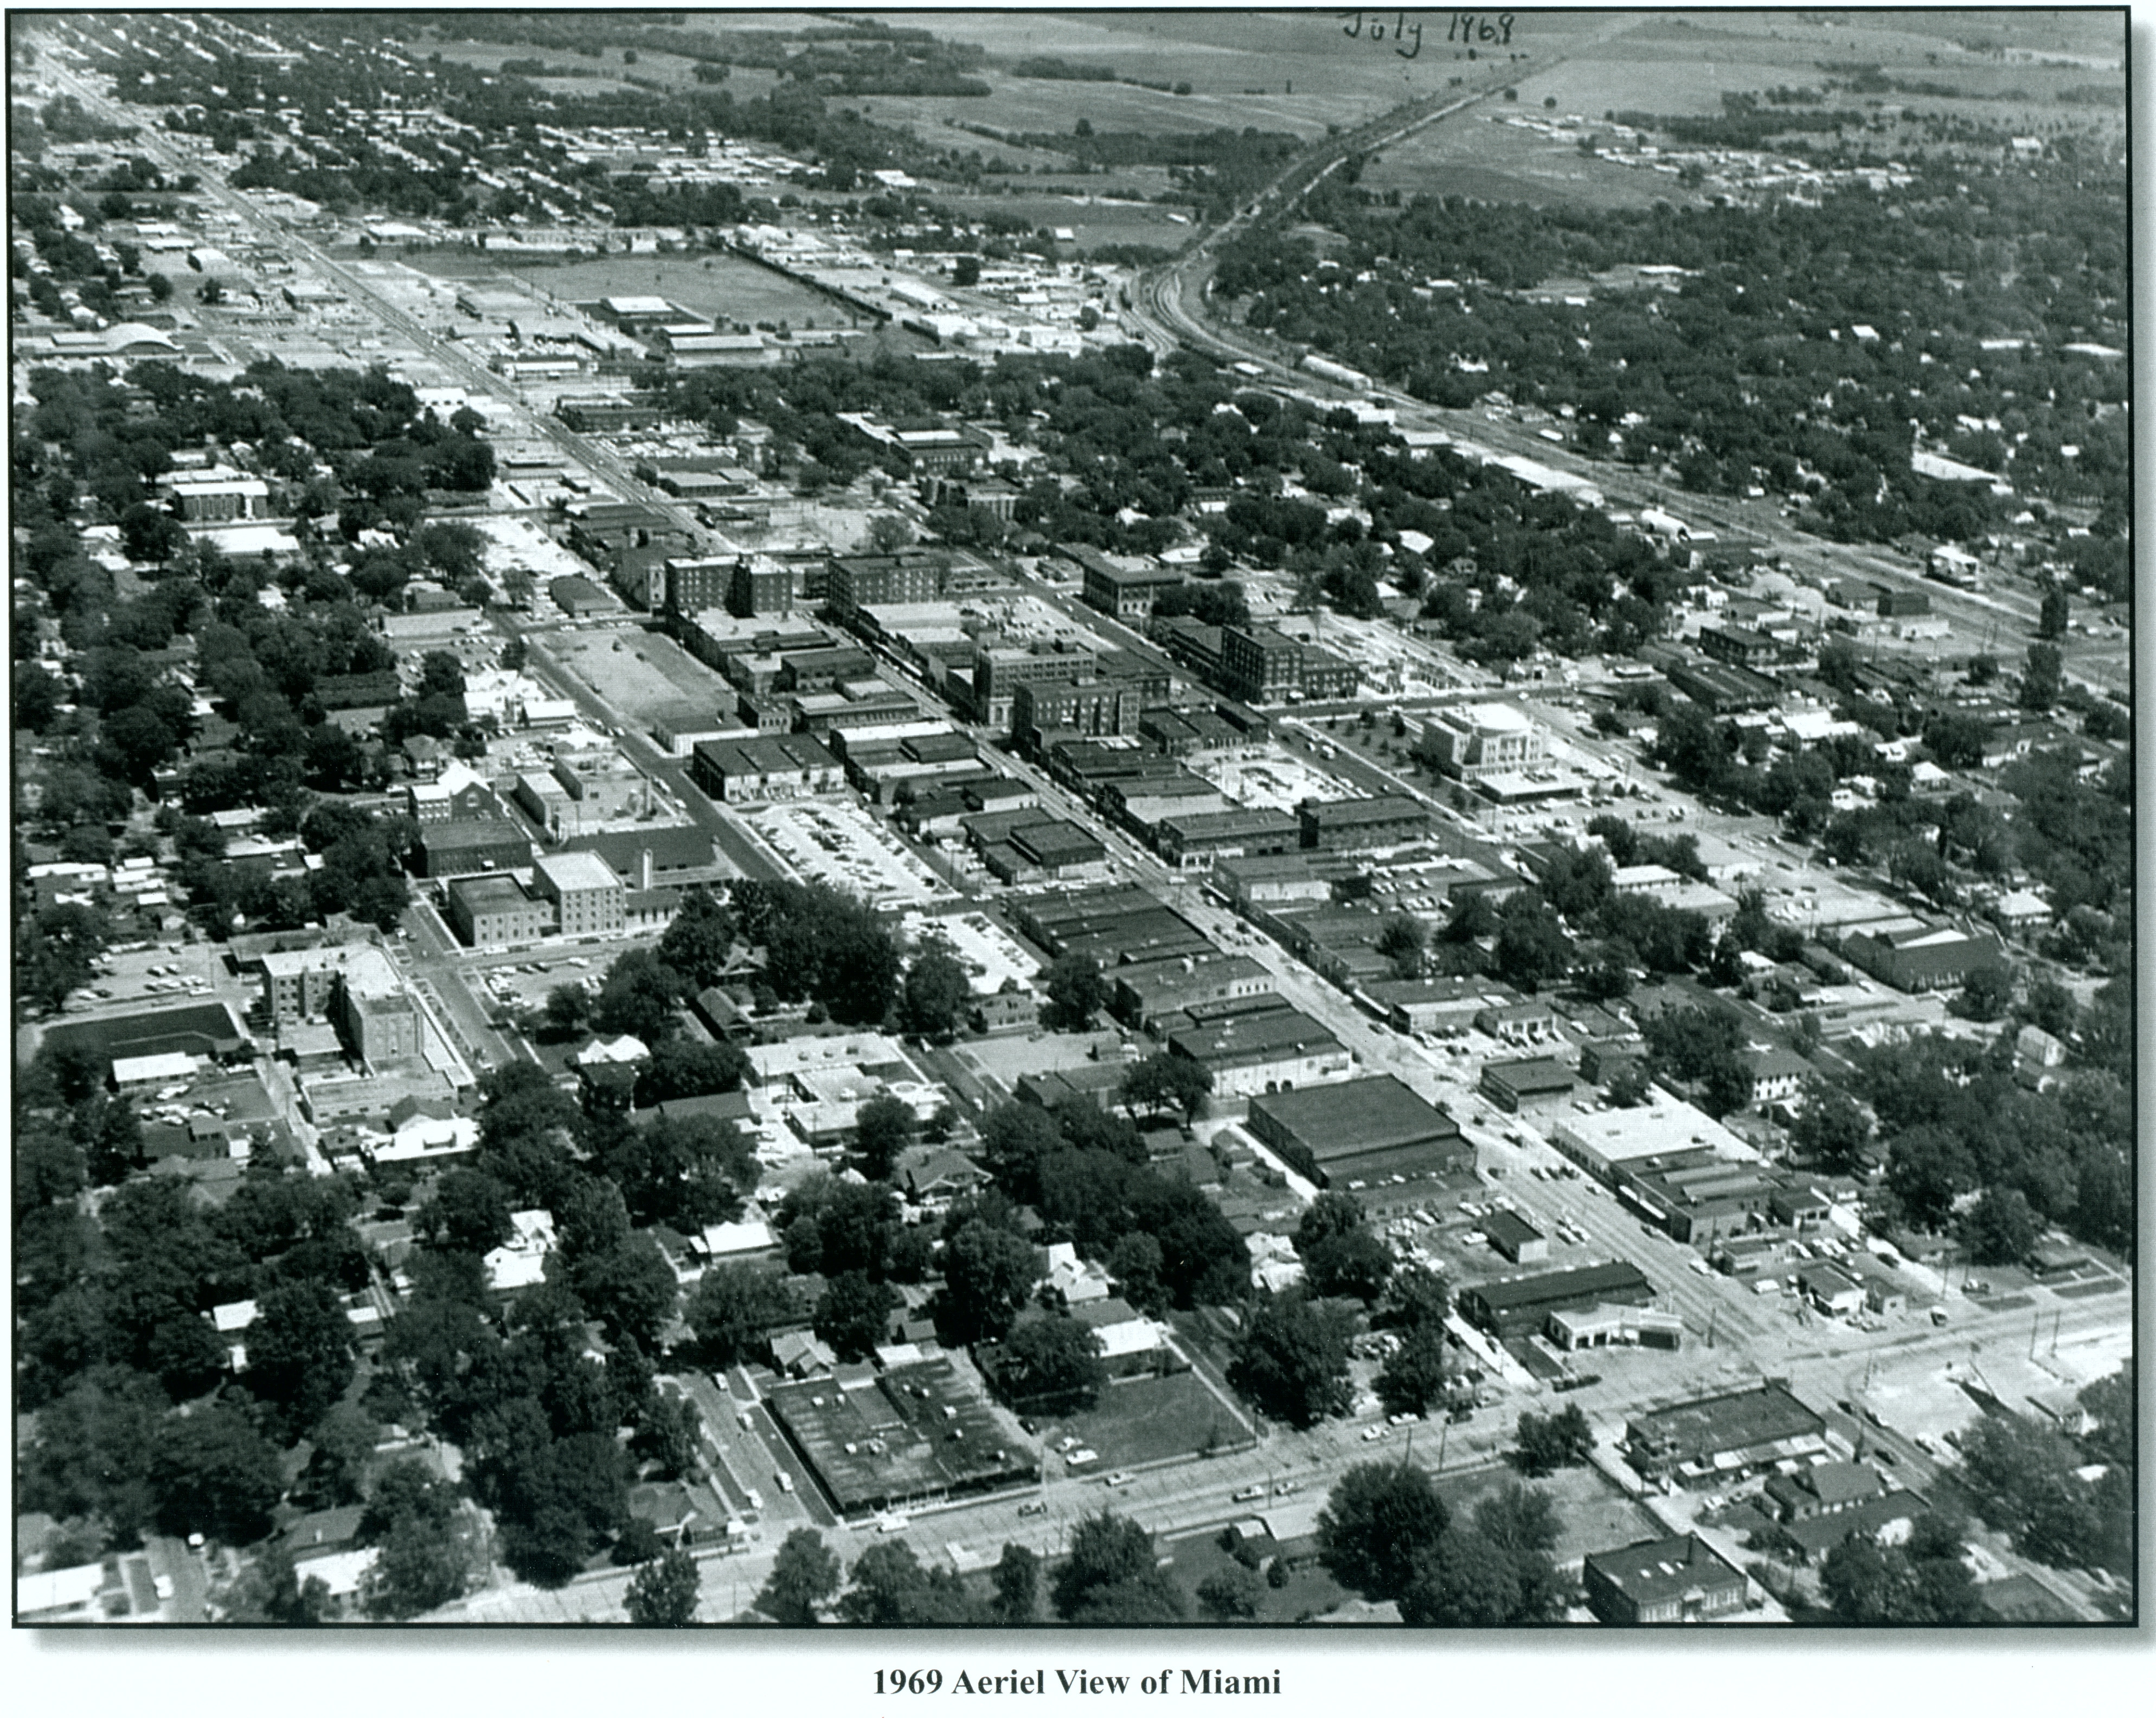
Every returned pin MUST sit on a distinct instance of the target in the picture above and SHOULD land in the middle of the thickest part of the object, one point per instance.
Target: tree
(987, 1274)
(1017, 1579)
(628, 1288)
(1379, 1518)
(1134, 1265)
(1544, 1443)
(423, 1564)
(2040, 678)
(1166, 1082)
(1229, 1595)
(1923, 1581)
(804, 1575)
(1355, 1264)
(1110, 1579)
(1413, 1373)
(663, 1593)
(1531, 947)
(1417, 1299)
(883, 1129)
(1830, 1129)
(568, 1007)
(2000, 1228)
(1052, 1364)
(1075, 992)
(639, 995)
(2051, 617)
(1292, 1360)
(853, 1314)
(213, 1473)
(469, 1212)
(299, 1352)
(680, 1068)
(1987, 991)
(1467, 1581)
(1014, 1139)
(1518, 1518)
(699, 941)
(732, 1308)
(936, 993)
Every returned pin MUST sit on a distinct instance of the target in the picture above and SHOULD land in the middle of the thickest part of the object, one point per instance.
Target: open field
(1149, 1419)
(723, 288)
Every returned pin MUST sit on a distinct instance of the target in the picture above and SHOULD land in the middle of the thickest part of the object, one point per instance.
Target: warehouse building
(1516, 1306)
(1531, 1086)
(1361, 1133)
(1250, 1053)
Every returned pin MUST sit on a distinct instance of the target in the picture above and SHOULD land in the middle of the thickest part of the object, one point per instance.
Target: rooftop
(1356, 1118)
(576, 871)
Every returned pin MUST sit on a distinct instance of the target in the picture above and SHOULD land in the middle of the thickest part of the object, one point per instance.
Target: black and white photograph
(1312, 828)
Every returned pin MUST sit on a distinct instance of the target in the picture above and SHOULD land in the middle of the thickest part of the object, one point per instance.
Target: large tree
(803, 1577)
(299, 1352)
(1075, 992)
(1052, 1364)
(1292, 1360)
(733, 1306)
(1378, 1520)
(854, 1316)
(663, 1595)
(1167, 1083)
(937, 992)
(1544, 1443)
(987, 1274)
(1110, 1579)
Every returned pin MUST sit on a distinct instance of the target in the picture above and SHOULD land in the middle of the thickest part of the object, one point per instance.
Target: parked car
(1117, 1478)
(1371, 1434)
(1039, 1506)
(1249, 1494)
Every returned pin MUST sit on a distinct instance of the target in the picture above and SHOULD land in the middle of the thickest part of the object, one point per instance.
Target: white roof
(128, 1070)
(721, 1240)
(641, 305)
(1501, 717)
(576, 871)
(1668, 1124)
(58, 1589)
(232, 1316)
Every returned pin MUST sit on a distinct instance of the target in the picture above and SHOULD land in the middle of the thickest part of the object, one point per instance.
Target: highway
(2004, 620)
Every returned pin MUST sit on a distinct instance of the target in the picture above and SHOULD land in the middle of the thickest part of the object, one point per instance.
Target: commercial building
(1719, 1437)
(495, 912)
(1930, 958)
(1608, 1140)
(1445, 1005)
(1606, 1326)
(1200, 841)
(1515, 1237)
(1358, 825)
(1681, 1580)
(858, 581)
(589, 900)
(1533, 1085)
(1261, 664)
(1000, 670)
(1273, 1051)
(766, 766)
(1515, 1307)
(1360, 1133)
(456, 849)
(910, 1435)
(1127, 592)
(1145, 991)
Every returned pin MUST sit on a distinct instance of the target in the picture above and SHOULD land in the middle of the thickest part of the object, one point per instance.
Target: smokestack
(644, 869)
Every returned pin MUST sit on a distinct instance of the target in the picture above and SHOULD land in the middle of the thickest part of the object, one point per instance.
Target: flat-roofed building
(1929, 957)
(455, 849)
(1127, 592)
(1200, 841)
(1356, 825)
(1607, 1141)
(1364, 1132)
(1145, 991)
(1515, 1237)
(1445, 1004)
(495, 912)
(589, 899)
(1723, 1437)
(765, 767)
(1532, 1085)
(1261, 664)
(1273, 1051)
(1473, 740)
(1513, 1306)
(1680, 1580)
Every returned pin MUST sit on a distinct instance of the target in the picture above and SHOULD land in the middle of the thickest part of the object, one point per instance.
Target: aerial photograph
(1072, 820)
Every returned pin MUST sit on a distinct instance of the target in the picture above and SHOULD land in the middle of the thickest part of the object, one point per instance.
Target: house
(798, 1354)
(1826, 1488)
(1679, 1580)
(1777, 1074)
(1929, 957)
(519, 1263)
(939, 1175)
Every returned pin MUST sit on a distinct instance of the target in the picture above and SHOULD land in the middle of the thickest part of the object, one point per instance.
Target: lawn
(1151, 1419)
(1596, 1516)
(1310, 1592)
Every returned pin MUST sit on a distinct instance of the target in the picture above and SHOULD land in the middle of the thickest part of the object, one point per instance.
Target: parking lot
(834, 841)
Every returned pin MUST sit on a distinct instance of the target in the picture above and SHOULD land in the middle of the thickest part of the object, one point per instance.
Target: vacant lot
(640, 673)
(1596, 1516)
(1151, 1419)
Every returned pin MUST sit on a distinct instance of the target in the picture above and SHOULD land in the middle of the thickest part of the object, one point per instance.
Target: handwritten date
(1492, 29)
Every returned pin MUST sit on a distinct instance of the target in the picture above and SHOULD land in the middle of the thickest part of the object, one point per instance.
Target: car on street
(1117, 1478)
(1249, 1494)
(1402, 1419)
(1286, 1487)
(1081, 1458)
(1039, 1506)
(1371, 1434)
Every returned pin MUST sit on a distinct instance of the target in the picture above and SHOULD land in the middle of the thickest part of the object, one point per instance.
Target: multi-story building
(589, 899)
(457, 849)
(1000, 670)
(858, 581)
(1680, 1580)
(1127, 592)
(606, 414)
(495, 912)
(1477, 740)
(222, 497)
(1261, 664)
(1091, 707)
(1355, 825)
(689, 584)
(760, 586)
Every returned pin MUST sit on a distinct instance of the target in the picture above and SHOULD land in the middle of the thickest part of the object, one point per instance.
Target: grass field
(724, 288)
(1151, 1419)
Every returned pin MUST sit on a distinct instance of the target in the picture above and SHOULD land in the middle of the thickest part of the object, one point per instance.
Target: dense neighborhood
(930, 929)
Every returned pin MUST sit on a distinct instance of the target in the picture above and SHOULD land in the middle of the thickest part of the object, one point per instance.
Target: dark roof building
(1518, 1304)
(1931, 958)
(1532, 1083)
(1362, 1132)
(1724, 1435)
(1681, 1580)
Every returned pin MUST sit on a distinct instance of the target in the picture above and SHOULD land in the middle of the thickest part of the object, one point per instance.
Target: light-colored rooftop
(576, 871)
